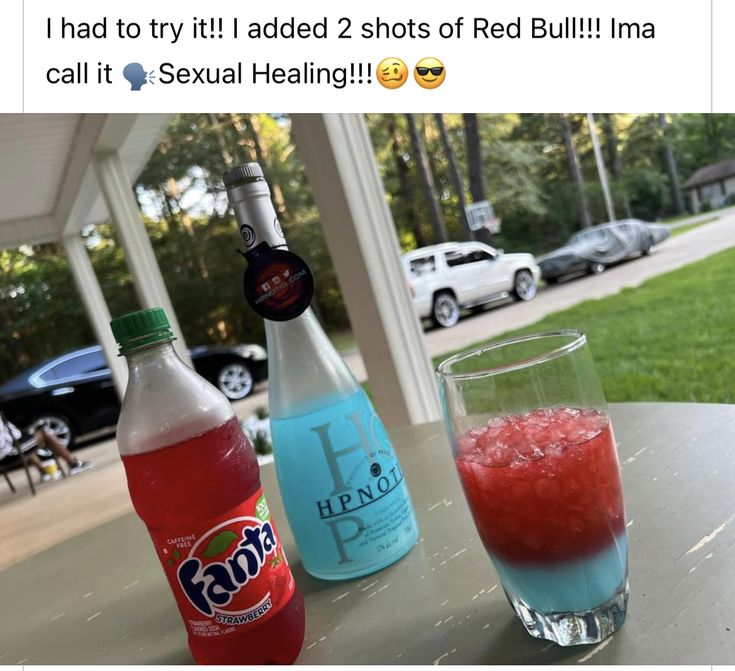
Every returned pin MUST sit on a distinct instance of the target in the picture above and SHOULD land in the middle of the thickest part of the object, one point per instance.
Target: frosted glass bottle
(341, 483)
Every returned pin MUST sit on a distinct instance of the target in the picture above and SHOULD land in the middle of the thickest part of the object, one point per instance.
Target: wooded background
(538, 170)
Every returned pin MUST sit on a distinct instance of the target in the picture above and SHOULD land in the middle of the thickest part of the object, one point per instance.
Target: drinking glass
(534, 449)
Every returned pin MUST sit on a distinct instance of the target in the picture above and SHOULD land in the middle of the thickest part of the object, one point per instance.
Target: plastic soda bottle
(342, 486)
(194, 480)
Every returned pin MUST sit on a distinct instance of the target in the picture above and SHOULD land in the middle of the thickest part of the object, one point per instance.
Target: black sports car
(595, 248)
(73, 394)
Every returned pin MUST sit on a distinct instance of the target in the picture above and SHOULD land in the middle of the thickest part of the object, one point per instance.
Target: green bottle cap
(138, 329)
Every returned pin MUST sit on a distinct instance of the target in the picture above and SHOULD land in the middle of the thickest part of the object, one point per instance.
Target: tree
(455, 175)
(645, 180)
(403, 171)
(575, 171)
(427, 181)
(671, 169)
(714, 132)
(701, 139)
(613, 159)
(474, 167)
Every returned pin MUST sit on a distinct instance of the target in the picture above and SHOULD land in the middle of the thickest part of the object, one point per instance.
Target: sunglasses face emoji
(392, 73)
(429, 73)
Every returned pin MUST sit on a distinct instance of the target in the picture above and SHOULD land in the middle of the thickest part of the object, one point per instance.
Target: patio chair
(20, 452)
(21, 449)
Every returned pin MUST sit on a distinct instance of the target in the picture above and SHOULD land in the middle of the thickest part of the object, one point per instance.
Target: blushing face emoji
(392, 73)
(429, 73)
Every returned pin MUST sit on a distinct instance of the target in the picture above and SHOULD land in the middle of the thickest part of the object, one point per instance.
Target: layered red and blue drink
(545, 492)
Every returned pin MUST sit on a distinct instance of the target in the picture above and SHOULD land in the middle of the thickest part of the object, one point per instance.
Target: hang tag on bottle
(278, 284)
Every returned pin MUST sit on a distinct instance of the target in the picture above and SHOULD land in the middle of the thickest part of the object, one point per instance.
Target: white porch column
(94, 302)
(123, 207)
(360, 233)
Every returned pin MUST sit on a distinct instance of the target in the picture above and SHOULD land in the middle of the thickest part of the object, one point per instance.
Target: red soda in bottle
(194, 481)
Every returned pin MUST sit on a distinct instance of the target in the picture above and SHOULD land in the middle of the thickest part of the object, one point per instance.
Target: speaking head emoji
(137, 76)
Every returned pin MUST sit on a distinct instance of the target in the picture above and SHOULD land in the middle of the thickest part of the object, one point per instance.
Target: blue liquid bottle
(341, 483)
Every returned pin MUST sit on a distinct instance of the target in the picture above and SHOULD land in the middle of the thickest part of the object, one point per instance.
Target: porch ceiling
(48, 187)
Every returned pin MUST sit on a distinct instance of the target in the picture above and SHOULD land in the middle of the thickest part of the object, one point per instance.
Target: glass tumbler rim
(577, 340)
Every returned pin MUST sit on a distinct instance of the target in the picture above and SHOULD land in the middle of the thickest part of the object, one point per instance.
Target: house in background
(710, 186)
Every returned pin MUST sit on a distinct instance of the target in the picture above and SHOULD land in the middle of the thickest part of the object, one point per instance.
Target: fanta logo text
(210, 587)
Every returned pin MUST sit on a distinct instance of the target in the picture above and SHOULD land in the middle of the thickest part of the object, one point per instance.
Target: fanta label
(232, 574)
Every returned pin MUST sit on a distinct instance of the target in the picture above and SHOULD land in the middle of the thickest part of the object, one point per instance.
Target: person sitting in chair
(10, 435)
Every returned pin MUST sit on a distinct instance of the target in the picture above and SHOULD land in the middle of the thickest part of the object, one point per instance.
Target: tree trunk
(575, 171)
(713, 137)
(455, 175)
(671, 168)
(474, 168)
(425, 135)
(427, 181)
(613, 159)
(254, 132)
(216, 124)
(260, 156)
(404, 180)
(174, 195)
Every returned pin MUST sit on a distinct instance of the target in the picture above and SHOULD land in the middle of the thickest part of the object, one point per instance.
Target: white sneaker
(80, 466)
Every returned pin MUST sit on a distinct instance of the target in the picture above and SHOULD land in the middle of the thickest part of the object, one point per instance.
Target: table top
(101, 598)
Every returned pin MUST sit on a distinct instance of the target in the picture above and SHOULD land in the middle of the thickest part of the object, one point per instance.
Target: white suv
(445, 278)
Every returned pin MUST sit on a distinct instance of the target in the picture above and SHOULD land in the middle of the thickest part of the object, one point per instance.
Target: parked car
(448, 277)
(73, 394)
(595, 248)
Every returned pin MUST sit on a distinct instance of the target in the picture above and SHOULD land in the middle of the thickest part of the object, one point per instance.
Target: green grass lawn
(683, 229)
(675, 218)
(671, 339)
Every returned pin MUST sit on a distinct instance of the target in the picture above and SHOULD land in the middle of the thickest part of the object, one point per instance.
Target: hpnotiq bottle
(194, 480)
(342, 486)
